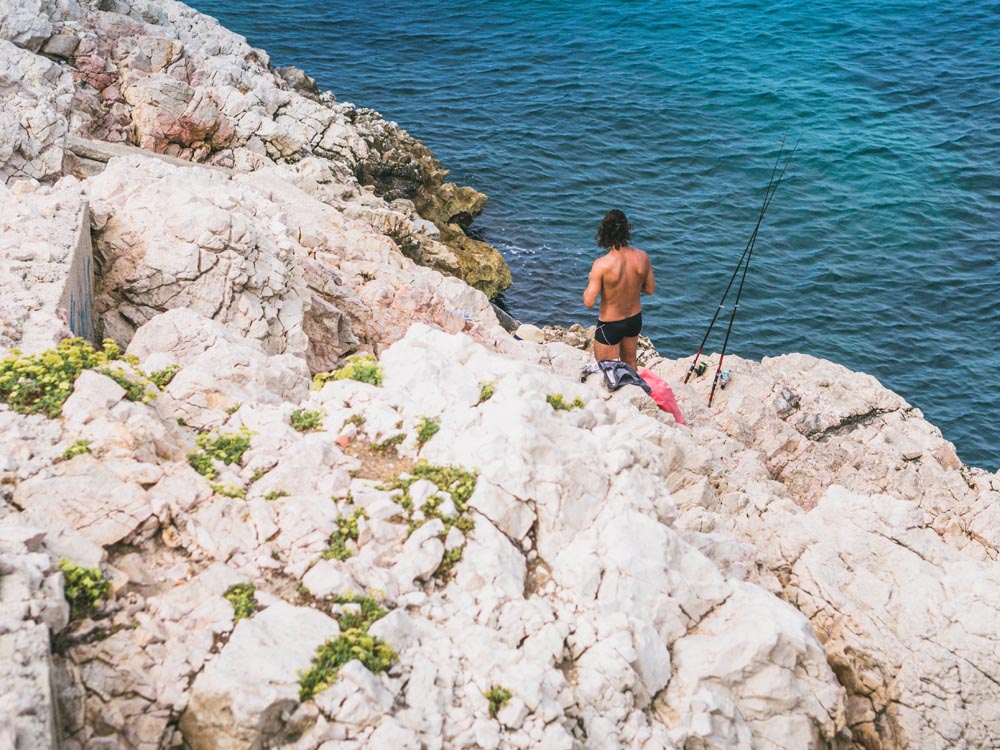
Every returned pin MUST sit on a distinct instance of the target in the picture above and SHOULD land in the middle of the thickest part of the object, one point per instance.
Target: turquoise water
(881, 249)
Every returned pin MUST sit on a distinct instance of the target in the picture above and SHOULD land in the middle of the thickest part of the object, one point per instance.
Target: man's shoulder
(640, 254)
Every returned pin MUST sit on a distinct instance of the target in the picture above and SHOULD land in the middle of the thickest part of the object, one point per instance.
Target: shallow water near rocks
(881, 249)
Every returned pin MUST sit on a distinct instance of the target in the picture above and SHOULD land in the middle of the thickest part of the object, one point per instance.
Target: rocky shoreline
(310, 494)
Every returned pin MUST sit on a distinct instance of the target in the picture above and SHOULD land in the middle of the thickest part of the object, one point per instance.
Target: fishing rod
(768, 194)
(746, 266)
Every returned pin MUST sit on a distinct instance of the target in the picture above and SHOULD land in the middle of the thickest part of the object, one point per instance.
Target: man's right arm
(593, 286)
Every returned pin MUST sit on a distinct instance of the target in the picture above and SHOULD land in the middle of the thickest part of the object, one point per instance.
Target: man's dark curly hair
(614, 231)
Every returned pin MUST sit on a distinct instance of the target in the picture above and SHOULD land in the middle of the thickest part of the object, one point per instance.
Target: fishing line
(746, 266)
(768, 194)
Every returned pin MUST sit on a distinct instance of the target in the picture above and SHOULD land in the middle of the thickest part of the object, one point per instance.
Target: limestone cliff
(160, 76)
(451, 543)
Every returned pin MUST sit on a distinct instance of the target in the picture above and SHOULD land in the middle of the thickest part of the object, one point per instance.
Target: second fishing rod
(744, 264)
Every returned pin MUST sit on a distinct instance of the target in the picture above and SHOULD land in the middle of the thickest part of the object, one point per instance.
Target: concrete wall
(76, 305)
(46, 266)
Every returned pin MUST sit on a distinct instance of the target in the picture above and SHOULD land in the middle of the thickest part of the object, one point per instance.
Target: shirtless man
(619, 278)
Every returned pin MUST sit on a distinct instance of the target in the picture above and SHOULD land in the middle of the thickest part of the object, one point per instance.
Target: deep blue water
(881, 249)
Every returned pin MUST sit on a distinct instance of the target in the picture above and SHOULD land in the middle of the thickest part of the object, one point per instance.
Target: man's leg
(606, 351)
(629, 345)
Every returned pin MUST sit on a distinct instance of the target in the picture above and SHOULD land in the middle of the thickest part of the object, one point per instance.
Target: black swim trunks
(612, 333)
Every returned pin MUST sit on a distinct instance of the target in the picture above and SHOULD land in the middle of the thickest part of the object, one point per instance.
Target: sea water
(881, 247)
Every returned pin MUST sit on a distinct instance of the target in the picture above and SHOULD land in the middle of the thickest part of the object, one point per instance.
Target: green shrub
(347, 530)
(371, 610)
(306, 420)
(203, 464)
(227, 447)
(84, 588)
(241, 596)
(354, 643)
(362, 367)
(275, 494)
(557, 402)
(498, 698)
(77, 449)
(134, 391)
(320, 379)
(41, 383)
(426, 429)
(161, 378)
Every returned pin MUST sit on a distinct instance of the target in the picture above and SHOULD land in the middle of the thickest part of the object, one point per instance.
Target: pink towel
(661, 393)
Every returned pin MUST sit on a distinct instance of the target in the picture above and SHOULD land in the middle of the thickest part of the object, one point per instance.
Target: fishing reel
(724, 377)
(699, 369)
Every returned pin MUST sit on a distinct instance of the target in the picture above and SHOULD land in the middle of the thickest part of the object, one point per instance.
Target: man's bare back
(618, 278)
(621, 276)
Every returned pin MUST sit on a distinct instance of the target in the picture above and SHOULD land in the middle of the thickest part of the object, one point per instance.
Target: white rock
(326, 577)
(356, 697)
(86, 496)
(391, 735)
(239, 699)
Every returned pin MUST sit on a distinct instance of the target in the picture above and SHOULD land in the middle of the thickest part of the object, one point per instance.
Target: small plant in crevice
(558, 402)
(84, 588)
(486, 391)
(374, 653)
(400, 230)
(458, 483)
(498, 697)
(228, 490)
(355, 615)
(233, 408)
(161, 378)
(346, 531)
(366, 610)
(203, 464)
(388, 444)
(426, 429)
(449, 560)
(275, 494)
(361, 367)
(241, 596)
(134, 390)
(77, 449)
(319, 380)
(227, 447)
(306, 420)
(358, 420)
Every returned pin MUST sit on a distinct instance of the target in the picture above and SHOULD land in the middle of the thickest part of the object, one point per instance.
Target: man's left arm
(648, 283)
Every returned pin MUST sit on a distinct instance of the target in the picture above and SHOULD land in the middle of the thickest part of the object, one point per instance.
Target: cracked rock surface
(571, 589)
(806, 564)
(164, 78)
